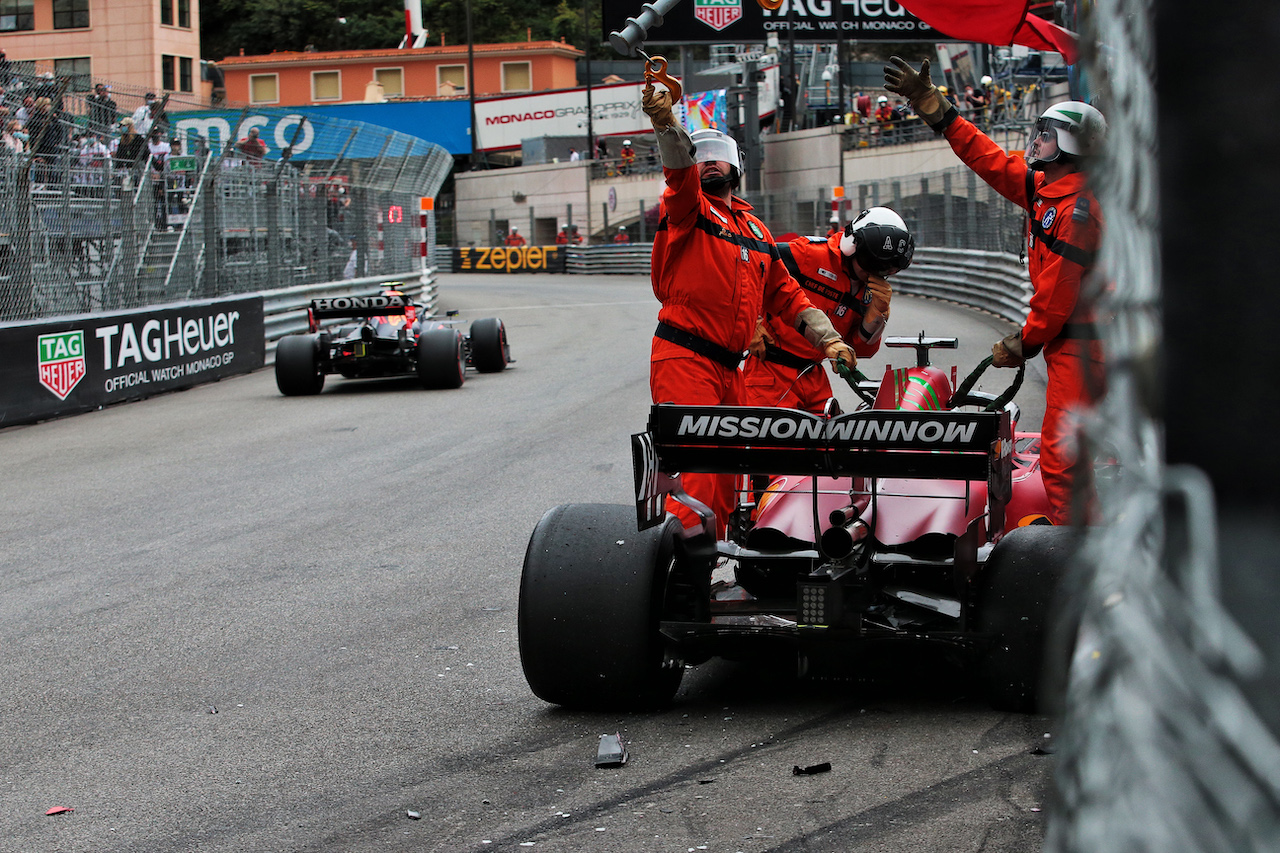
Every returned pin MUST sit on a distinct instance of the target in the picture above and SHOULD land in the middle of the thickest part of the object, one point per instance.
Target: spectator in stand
(158, 151)
(628, 155)
(574, 156)
(621, 236)
(252, 147)
(93, 157)
(129, 148)
(143, 113)
(602, 148)
(514, 238)
(25, 111)
(977, 101)
(102, 109)
(15, 138)
(48, 141)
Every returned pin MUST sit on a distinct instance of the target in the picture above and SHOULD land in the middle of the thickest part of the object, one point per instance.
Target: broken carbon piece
(611, 752)
(812, 769)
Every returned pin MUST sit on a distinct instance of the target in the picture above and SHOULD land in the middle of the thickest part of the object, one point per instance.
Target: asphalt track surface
(233, 621)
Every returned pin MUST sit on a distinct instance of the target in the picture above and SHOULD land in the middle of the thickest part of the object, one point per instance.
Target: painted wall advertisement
(615, 111)
(745, 22)
(501, 259)
(80, 363)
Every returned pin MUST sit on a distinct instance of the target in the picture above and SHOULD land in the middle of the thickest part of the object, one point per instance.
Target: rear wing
(941, 445)
(359, 306)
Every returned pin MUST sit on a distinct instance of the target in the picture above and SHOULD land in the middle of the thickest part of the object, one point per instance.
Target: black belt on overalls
(701, 346)
(787, 359)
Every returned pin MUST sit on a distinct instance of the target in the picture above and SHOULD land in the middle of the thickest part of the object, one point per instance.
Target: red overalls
(1064, 230)
(816, 264)
(716, 271)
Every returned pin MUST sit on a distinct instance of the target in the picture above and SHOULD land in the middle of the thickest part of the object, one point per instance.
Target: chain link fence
(96, 216)
(1161, 748)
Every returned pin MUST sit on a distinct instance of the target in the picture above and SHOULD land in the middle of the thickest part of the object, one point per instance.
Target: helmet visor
(719, 147)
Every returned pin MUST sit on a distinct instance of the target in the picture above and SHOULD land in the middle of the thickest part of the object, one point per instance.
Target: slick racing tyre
(298, 369)
(590, 600)
(490, 352)
(441, 363)
(1016, 590)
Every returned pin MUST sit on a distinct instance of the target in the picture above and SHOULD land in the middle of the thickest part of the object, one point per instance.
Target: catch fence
(94, 218)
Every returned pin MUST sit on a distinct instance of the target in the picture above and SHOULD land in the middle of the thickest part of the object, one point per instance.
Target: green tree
(261, 26)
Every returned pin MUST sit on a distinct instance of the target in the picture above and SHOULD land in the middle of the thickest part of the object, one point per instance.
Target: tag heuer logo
(717, 14)
(62, 364)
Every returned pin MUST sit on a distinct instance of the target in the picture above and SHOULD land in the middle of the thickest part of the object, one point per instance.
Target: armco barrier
(285, 310)
(995, 282)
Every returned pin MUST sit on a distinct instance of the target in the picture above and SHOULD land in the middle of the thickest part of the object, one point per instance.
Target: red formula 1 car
(918, 518)
(387, 335)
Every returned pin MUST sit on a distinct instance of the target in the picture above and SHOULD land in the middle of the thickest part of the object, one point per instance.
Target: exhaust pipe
(838, 542)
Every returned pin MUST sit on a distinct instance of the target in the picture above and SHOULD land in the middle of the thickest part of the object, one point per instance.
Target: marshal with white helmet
(1077, 128)
(878, 240)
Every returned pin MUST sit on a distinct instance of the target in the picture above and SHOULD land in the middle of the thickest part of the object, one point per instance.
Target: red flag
(997, 22)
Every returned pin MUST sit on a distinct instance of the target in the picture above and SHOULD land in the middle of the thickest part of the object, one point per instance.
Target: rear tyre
(440, 358)
(298, 369)
(490, 352)
(1016, 590)
(591, 597)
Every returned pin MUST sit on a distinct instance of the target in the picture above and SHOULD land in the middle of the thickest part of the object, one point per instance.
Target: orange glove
(1001, 356)
(881, 293)
(656, 104)
(840, 351)
(760, 339)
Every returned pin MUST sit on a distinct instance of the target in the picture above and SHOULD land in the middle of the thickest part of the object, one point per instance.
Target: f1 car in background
(918, 519)
(389, 338)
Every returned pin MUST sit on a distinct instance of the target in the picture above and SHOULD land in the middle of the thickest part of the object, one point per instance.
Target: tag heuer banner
(745, 22)
(80, 363)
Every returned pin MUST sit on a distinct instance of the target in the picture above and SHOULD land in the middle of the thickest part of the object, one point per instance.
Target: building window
(168, 77)
(70, 14)
(516, 77)
(451, 80)
(326, 85)
(166, 12)
(184, 14)
(184, 74)
(264, 88)
(392, 80)
(76, 72)
(17, 15)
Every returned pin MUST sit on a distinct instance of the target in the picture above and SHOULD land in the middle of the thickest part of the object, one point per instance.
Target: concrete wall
(548, 190)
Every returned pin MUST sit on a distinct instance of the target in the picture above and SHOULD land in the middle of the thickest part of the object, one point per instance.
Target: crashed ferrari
(917, 519)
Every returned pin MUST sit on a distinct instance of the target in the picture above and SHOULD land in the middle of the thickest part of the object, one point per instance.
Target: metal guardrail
(285, 310)
(989, 281)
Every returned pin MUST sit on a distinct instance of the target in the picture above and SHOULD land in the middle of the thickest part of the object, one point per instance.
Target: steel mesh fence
(91, 219)
(1160, 748)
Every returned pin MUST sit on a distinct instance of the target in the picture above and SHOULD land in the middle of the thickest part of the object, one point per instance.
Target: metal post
(586, 58)
(643, 230)
(948, 210)
(751, 117)
(533, 226)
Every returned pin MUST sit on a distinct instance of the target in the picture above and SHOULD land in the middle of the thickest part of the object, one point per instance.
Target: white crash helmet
(714, 145)
(986, 79)
(879, 241)
(1078, 128)
(626, 142)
